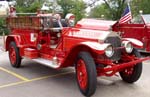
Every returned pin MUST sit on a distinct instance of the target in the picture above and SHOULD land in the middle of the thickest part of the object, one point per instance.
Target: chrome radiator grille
(116, 43)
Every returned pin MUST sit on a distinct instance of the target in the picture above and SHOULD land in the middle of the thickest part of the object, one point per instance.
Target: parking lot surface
(36, 80)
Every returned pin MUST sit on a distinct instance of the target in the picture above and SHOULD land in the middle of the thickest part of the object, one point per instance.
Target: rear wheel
(14, 55)
(86, 74)
(132, 74)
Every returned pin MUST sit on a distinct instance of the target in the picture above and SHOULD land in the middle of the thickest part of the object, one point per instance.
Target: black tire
(136, 71)
(91, 80)
(15, 58)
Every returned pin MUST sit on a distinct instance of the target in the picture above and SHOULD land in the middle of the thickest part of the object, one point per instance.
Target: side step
(46, 62)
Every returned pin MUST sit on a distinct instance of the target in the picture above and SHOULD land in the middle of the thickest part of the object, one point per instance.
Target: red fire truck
(89, 46)
(138, 28)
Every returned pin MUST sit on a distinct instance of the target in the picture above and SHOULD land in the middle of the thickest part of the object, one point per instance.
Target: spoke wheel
(86, 74)
(132, 74)
(14, 55)
(82, 74)
(128, 71)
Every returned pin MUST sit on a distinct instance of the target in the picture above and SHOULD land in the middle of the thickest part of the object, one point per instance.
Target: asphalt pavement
(36, 80)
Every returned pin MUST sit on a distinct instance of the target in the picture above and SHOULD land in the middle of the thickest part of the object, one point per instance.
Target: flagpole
(129, 7)
(128, 2)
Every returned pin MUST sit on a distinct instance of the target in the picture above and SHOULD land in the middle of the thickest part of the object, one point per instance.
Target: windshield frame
(146, 18)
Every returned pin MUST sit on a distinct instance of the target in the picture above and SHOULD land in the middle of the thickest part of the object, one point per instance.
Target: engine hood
(95, 24)
(91, 34)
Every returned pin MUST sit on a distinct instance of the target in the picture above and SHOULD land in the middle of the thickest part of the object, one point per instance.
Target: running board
(48, 63)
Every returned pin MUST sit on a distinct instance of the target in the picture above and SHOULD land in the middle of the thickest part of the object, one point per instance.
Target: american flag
(126, 15)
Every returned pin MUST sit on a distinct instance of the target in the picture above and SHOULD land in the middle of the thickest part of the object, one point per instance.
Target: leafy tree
(100, 11)
(79, 9)
(138, 5)
(114, 8)
(76, 7)
(28, 5)
(3, 27)
(66, 5)
(111, 9)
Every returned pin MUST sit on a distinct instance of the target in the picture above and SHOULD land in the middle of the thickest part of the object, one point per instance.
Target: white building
(4, 7)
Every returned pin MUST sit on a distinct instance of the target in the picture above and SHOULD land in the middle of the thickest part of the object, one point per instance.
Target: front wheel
(86, 74)
(132, 74)
(14, 55)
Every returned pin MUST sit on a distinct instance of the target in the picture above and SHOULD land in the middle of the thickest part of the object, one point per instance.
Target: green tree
(79, 9)
(76, 7)
(99, 11)
(28, 5)
(111, 9)
(66, 5)
(3, 28)
(138, 5)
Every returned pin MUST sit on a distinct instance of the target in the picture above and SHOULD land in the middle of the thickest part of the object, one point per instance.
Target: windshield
(146, 18)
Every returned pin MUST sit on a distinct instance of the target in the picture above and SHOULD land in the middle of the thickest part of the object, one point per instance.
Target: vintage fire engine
(139, 28)
(89, 46)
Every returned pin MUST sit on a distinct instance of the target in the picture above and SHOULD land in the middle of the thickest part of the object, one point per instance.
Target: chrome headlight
(128, 46)
(109, 51)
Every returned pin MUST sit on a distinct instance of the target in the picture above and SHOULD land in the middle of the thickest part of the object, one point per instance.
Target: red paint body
(35, 41)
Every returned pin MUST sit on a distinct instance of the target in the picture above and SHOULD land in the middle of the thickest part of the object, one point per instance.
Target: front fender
(91, 47)
(135, 42)
(96, 47)
(15, 38)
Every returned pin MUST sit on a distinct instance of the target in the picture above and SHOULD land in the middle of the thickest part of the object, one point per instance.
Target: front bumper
(112, 68)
